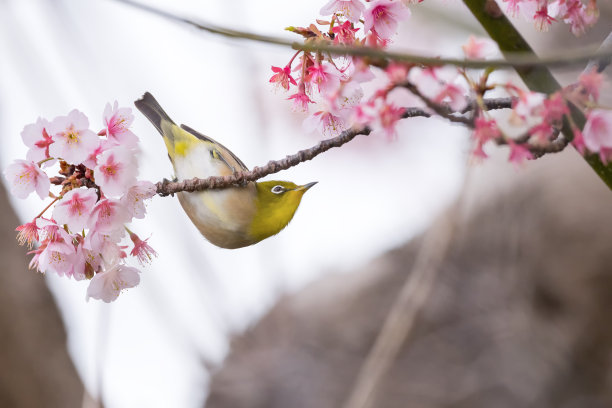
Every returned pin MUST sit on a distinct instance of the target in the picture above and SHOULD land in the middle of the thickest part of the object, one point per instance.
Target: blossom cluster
(334, 84)
(578, 14)
(97, 195)
(331, 87)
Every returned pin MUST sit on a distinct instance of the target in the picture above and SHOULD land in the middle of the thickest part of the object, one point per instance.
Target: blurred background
(517, 315)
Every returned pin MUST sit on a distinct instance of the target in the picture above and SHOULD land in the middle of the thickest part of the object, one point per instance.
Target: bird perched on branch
(233, 217)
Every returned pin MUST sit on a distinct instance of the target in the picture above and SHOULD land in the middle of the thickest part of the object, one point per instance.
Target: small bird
(233, 217)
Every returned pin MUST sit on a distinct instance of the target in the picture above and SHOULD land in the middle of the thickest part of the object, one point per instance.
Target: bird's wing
(224, 153)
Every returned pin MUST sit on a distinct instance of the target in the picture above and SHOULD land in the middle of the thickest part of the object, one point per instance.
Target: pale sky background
(372, 194)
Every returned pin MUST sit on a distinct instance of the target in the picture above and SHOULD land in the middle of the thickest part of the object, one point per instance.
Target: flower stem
(47, 207)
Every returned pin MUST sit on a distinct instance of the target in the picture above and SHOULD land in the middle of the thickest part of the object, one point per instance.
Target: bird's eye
(278, 189)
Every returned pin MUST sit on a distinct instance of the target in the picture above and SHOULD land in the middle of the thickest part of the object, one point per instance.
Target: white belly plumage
(222, 216)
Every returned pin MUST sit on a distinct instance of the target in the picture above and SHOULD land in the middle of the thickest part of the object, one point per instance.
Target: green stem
(537, 78)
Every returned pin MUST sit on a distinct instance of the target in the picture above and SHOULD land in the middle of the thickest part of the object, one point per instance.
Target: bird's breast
(222, 216)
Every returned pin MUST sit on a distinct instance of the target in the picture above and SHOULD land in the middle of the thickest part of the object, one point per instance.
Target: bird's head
(276, 205)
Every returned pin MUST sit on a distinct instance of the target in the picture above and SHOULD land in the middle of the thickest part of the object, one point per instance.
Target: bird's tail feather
(149, 107)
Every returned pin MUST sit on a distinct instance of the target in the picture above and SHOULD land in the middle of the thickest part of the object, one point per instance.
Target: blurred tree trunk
(35, 369)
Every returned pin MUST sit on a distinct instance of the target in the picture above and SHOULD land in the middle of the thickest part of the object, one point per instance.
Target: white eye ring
(278, 189)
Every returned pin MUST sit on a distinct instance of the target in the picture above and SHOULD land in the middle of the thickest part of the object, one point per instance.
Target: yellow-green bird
(234, 217)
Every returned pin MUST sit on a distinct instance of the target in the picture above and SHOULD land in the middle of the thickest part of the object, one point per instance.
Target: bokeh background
(165, 342)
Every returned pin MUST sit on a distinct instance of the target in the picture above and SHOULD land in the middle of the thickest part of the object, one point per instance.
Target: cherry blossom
(118, 121)
(35, 136)
(325, 76)
(592, 81)
(96, 208)
(301, 99)
(518, 153)
(108, 216)
(28, 233)
(107, 285)
(134, 199)
(115, 171)
(344, 33)
(75, 207)
(326, 121)
(479, 48)
(350, 9)
(598, 130)
(142, 250)
(73, 141)
(282, 77)
(24, 177)
(484, 130)
(57, 255)
(383, 17)
(102, 250)
(388, 116)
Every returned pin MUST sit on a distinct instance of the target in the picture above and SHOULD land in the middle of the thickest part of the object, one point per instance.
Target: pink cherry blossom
(554, 108)
(134, 199)
(513, 7)
(300, 99)
(58, 254)
(397, 72)
(454, 96)
(350, 9)
(528, 108)
(101, 250)
(73, 141)
(35, 136)
(542, 19)
(577, 15)
(325, 76)
(282, 77)
(24, 177)
(479, 48)
(388, 116)
(541, 133)
(92, 160)
(383, 17)
(598, 130)
(75, 208)
(108, 217)
(116, 171)
(79, 264)
(118, 121)
(107, 285)
(485, 130)
(28, 233)
(344, 33)
(362, 115)
(325, 121)
(518, 153)
(142, 250)
(592, 82)
(359, 71)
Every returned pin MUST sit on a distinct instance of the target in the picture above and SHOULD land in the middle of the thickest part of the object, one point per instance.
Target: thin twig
(567, 58)
(166, 187)
(436, 107)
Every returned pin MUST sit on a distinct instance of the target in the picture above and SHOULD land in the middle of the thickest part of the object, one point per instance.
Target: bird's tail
(153, 111)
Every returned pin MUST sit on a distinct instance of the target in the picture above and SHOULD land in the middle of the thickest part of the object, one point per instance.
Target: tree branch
(567, 58)
(167, 187)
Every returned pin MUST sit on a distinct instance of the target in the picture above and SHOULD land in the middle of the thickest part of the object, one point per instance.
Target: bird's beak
(306, 186)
